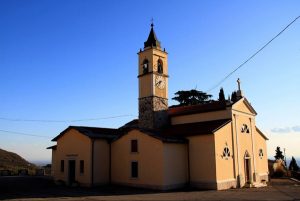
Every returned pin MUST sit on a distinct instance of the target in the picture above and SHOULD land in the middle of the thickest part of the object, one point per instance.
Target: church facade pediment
(244, 106)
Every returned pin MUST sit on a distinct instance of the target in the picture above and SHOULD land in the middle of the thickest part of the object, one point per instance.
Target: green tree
(278, 154)
(221, 95)
(234, 97)
(293, 165)
(192, 97)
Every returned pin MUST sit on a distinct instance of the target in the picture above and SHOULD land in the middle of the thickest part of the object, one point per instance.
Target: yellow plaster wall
(208, 116)
(175, 164)
(225, 166)
(250, 142)
(149, 157)
(242, 107)
(101, 162)
(146, 86)
(245, 143)
(161, 92)
(73, 146)
(147, 82)
(153, 55)
(262, 163)
(202, 158)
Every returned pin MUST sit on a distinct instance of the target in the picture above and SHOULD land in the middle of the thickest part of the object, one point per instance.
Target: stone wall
(152, 112)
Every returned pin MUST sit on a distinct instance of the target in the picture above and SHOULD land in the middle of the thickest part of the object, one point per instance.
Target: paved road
(42, 188)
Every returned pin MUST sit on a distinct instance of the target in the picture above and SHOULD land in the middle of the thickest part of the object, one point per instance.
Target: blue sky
(71, 59)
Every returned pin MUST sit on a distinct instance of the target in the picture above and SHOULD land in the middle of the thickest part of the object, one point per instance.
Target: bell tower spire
(153, 83)
(152, 40)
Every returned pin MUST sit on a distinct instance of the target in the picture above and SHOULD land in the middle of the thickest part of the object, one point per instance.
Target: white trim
(226, 180)
(237, 143)
(237, 111)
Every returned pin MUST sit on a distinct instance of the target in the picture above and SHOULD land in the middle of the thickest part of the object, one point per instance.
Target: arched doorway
(247, 165)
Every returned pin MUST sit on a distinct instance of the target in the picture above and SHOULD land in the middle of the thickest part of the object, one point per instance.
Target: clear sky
(76, 59)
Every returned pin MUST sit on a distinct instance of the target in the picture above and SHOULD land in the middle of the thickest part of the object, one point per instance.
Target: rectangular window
(134, 169)
(81, 166)
(134, 146)
(62, 165)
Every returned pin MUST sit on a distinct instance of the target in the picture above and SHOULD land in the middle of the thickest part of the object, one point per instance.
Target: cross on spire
(239, 84)
(152, 40)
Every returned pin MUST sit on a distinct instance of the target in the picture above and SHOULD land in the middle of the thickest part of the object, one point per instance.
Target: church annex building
(209, 146)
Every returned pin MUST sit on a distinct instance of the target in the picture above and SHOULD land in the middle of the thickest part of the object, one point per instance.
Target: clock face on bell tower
(153, 83)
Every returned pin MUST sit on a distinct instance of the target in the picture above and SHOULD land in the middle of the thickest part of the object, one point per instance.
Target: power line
(252, 56)
(26, 134)
(64, 121)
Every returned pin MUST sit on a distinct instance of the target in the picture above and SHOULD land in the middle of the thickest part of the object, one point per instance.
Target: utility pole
(284, 157)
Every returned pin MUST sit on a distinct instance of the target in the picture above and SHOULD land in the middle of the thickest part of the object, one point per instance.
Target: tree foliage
(293, 165)
(192, 97)
(234, 96)
(278, 154)
(221, 95)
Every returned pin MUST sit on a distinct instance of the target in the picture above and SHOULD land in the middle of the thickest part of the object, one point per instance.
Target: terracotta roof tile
(199, 128)
(184, 110)
(92, 132)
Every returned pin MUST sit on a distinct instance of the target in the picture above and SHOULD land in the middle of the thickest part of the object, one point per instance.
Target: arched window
(247, 155)
(145, 66)
(160, 66)
(226, 153)
(245, 129)
(261, 153)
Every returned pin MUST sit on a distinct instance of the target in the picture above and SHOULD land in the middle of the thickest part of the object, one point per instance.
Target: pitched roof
(52, 147)
(247, 103)
(163, 137)
(131, 124)
(199, 128)
(152, 40)
(153, 133)
(92, 132)
(208, 107)
(262, 134)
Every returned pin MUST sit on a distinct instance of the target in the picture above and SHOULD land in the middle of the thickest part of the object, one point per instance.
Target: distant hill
(13, 162)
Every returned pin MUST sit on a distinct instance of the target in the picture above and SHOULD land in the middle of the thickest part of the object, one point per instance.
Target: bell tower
(153, 83)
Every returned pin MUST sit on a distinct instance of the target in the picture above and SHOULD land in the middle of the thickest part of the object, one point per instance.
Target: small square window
(62, 165)
(134, 146)
(134, 169)
(81, 168)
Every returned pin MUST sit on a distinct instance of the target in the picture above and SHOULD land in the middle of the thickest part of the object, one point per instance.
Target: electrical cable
(63, 121)
(251, 57)
(26, 134)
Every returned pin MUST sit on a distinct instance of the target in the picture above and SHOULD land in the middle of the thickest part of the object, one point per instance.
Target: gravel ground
(42, 188)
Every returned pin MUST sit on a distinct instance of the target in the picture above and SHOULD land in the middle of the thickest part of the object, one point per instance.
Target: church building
(208, 146)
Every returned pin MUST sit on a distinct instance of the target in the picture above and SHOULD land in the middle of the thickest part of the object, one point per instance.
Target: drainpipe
(188, 169)
(92, 162)
(233, 151)
(109, 169)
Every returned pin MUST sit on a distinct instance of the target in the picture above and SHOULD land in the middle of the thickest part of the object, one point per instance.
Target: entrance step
(259, 185)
